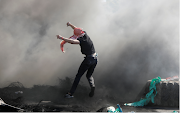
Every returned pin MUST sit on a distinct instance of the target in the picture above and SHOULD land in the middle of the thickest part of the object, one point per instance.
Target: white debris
(19, 92)
(1, 102)
(111, 109)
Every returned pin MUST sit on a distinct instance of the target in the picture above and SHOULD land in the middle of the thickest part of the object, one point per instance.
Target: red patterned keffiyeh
(77, 33)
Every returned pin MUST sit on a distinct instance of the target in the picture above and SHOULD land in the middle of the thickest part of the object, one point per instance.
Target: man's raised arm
(72, 26)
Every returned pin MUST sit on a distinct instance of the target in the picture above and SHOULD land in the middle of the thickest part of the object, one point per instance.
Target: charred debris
(44, 98)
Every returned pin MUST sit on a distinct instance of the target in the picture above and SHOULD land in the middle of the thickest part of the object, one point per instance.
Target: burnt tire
(167, 94)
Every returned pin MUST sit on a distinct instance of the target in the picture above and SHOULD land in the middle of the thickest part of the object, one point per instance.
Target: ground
(41, 98)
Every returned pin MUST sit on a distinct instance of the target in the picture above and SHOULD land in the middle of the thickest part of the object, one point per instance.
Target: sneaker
(68, 96)
(91, 94)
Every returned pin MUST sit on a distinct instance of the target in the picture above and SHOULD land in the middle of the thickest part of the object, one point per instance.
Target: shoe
(68, 96)
(91, 94)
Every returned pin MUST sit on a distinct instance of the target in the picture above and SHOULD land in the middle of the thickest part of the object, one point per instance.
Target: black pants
(88, 64)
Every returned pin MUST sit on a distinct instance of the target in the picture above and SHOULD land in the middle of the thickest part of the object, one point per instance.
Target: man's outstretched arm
(72, 26)
(68, 40)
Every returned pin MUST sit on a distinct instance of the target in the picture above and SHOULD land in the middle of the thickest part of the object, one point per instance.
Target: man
(90, 60)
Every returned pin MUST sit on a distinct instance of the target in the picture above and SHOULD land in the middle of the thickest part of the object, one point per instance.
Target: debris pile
(41, 98)
(44, 98)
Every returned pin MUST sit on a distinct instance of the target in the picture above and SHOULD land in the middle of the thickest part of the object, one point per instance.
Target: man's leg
(91, 79)
(82, 69)
(89, 75)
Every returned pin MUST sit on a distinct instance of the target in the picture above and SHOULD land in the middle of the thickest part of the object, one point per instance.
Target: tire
(167, 93)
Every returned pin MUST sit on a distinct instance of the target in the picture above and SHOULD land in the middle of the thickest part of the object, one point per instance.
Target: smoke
(28, 39)
(145, 42)
(136, 41)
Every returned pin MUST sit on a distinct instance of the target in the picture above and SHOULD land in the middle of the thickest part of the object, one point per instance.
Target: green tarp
(149, 96)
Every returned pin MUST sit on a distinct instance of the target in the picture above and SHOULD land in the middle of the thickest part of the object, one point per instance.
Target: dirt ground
(51, 99)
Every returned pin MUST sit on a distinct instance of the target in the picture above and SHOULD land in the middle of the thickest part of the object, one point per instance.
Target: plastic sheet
(112, 109)
(149, 96)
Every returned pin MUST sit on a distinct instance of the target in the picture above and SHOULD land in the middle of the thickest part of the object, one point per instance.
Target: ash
(45, 98)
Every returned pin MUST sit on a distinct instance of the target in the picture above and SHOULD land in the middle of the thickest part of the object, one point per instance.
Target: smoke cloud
(136, 41)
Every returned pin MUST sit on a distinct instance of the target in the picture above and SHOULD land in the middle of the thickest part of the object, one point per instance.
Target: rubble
(19, 92)
(44, 98)
(174, 78)
(112, 109)
(39, 98)
(1, 102)
(6, 107)
(16, 84)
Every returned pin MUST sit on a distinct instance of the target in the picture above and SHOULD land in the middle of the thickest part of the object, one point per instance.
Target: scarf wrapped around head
(77, 33)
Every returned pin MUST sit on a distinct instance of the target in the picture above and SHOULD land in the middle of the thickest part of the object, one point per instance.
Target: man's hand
(59, 37)
(72, 26)
(68, 24)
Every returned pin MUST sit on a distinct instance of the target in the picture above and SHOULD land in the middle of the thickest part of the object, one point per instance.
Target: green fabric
(149, 96)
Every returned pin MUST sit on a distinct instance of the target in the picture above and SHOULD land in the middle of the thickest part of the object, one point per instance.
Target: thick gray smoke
(29, 48)
(136, 40)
